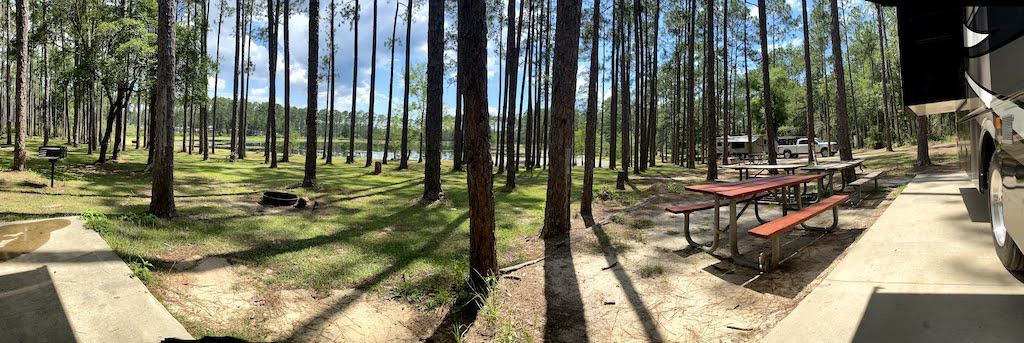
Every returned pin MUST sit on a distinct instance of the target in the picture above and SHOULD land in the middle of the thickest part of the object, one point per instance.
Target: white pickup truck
(790, 147)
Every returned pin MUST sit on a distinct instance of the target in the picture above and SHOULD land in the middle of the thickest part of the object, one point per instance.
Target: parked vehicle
(738, 145)
(793, 146)
(966, 61)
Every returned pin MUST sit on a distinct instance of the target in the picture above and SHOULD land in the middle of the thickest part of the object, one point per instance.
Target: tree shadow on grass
(318, 322)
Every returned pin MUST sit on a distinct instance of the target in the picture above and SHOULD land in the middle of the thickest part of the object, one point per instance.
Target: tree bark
(309, 173)
(809, 88)
(391, 89)
(691, 144)
(709, 95)
(329, 123)
(567, 33)
(272, 83)
(351, 158)
(512, 70)
(404, 163)
(21, 85)
(483, 261)
(624, 71)
(923, 130)
(435, 92)
(766, 93)
(162, 202)
(587, 198)
(286, 145)
(373, 90)
(886, 128)
(845, 152)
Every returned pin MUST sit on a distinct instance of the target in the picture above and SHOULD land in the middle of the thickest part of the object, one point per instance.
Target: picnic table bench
(863, 180)
(745, 168)
(829, 169)
(773, 230)
(749, 190)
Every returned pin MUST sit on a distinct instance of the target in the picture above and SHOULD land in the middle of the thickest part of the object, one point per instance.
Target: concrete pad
(924, 272)
(64, 283)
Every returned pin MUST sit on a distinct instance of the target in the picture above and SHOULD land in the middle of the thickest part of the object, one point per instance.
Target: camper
(739, 146)
(966, 61)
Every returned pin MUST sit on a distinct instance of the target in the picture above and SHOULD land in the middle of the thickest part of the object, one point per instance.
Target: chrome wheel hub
(995, 200)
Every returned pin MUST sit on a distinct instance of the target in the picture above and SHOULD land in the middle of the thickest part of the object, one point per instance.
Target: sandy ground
(629, 277)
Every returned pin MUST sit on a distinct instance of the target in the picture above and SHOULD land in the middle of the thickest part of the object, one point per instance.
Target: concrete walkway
(926, 271)
(60, 282)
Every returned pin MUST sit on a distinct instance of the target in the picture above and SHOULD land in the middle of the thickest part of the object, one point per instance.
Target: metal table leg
(734, 250)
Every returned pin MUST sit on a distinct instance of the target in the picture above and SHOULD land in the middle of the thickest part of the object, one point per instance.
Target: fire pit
(279, 198)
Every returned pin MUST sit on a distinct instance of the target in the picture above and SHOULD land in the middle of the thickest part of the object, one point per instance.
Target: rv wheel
(787, 154)
(824, 152)
(1007, 250)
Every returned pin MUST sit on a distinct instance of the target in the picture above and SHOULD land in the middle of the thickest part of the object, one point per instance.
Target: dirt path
(633, 279)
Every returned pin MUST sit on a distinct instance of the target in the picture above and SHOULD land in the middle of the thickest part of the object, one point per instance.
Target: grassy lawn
(369, 232)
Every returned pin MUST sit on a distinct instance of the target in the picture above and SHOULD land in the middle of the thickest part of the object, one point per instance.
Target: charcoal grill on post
(53, 154)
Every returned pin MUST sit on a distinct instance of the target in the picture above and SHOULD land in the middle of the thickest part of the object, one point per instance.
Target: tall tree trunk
(162, 202)
(885, 80)
(21, 85)
(512, 70)
(809, 87)
(766, 92)
(309, 175)
(272, 83)
(286, 145)
(329, 123)
(652, 122)
(624, 78)
(404, 163)
(351, 158)
(587, 199)
(216, 82)
(746, 86)
(613, 120)
(435, 92)
(235, 89)
(483, 260)
(391, 89)
(923, 130)
(373, 90)
(726, 121)
(845, 152)
(711, 124)
(567, 33)
(691, 143)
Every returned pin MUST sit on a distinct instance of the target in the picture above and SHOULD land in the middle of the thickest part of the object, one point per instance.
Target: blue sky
(298, 27)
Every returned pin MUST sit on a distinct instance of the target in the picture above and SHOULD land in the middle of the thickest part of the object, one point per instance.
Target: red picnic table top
(753, 186)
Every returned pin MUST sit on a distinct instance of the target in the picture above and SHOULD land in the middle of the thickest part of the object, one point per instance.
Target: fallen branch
(610, 266)
(739, 328)
(510, 269)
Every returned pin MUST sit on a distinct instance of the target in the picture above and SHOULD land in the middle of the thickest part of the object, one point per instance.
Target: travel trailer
(738, 146)
(966, 61)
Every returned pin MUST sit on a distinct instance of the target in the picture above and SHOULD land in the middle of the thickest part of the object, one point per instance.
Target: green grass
(370, 231)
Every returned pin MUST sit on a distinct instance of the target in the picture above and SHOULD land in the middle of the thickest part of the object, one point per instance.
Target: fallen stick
(610, 266)
(510, 269)
(739, 328)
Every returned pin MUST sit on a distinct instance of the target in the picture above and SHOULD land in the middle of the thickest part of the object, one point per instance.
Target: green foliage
(651, 270)
(141, 268)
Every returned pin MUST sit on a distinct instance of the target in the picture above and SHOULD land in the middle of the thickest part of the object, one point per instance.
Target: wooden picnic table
(745, 168)
(829, 169)
(734, 192)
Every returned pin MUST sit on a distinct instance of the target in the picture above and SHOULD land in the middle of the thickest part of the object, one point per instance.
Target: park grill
(53, 154)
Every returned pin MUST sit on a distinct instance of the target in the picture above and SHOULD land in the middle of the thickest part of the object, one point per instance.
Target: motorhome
(966, 61)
